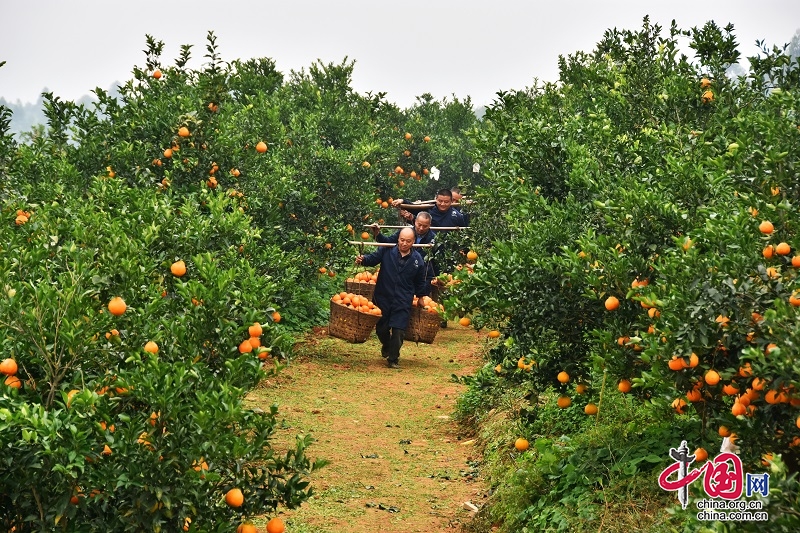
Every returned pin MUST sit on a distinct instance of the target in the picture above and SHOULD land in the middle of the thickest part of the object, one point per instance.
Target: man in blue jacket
(402, 276)
(443, 214)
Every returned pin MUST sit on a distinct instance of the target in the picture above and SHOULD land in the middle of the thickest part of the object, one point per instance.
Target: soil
(398, 460)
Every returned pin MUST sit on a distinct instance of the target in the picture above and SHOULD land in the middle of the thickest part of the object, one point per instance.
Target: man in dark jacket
(402, 276)
(443, 214)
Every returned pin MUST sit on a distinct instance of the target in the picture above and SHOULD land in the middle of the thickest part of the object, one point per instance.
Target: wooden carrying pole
(386, 244)
(435, 228)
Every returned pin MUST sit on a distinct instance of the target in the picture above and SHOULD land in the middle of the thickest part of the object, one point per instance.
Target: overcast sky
(405, 48)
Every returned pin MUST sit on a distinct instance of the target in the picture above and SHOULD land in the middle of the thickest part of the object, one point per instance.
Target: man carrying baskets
(402, 277)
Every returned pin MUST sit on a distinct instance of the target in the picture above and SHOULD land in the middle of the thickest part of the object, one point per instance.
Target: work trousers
(391, 340)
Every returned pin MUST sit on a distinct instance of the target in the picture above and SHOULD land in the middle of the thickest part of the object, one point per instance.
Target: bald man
(402, 276)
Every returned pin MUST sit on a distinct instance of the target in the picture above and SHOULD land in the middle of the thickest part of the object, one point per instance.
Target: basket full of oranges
(362, 283)
(353, 317)
(425, 320)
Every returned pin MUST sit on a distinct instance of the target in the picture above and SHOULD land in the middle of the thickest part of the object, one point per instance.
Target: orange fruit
(246, 528)
(168, 153)
(679, 404)
(106, 449)
(521, 444)
(13, 382)
(276, 317)
(694, 396)
(364, 236)
(590, 409)
(234, 498)
(758, 384)
(178, 268)
(730, 389)
(408, 136)
(255, 342)
(796, 261)
(676, 363)
(563, 377)
(693, 360)
(712, 377)
(493, 334)
(255, 330)
(612, 303)
(245, 346)
(183, 132)
(700, 454)
(783, 249)
(724, 431)
(275, 526)
(472, 256)
(624, 386)
(8, 367)
(261, 147)
(70, 394)
(745, 370)
(794, 300)
(465, 321)
(707, 97)
(738, 409)
(157, 74)
(151, 347)
(797, 422)
(117, 306)
(766, 227)
(581, 388)
(564, 402)
(768, 251)
(426, 139)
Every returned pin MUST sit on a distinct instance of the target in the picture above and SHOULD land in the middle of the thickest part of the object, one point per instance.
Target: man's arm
(372, 259)
(394, 237)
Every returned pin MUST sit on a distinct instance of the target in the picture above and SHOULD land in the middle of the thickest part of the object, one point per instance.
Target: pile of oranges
(22, 217)
(429, 305)
(8, 368)
(365, 277)
(355, 301)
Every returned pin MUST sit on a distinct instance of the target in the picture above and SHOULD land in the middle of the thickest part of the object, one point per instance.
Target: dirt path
(398, 462)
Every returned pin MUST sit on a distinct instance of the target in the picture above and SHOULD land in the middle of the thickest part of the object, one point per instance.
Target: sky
(405, 48)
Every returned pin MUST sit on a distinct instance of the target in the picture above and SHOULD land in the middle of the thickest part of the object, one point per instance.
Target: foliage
(643, 176)
(253, 179)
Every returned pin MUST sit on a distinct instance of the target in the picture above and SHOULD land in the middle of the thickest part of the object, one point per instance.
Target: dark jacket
(451, 217)
(396, 286)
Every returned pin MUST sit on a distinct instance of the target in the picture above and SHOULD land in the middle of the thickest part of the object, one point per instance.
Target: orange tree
(644, 177)
(133, 417)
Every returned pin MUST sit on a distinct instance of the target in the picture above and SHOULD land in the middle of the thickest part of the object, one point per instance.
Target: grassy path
(398, 462)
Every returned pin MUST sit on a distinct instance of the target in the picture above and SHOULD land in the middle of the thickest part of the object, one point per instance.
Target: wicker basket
(359, 287)
(423, 326)
(350, 325)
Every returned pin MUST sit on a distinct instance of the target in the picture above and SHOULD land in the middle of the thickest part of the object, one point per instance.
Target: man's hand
(407, 215)
(359, 259)
(376, 229)
(396, 202)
